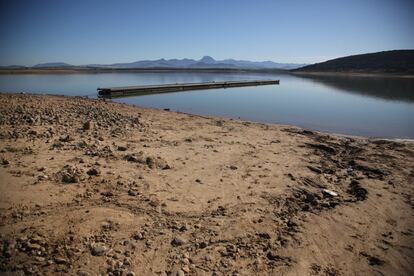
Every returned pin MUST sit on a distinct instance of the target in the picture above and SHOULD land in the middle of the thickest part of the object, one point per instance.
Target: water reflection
(390, 88)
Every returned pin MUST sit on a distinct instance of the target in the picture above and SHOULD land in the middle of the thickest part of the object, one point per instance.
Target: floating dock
(114, 92)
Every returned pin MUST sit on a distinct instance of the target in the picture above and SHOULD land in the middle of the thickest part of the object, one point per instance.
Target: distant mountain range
(203, 63)
(396, 61)
(52, 64)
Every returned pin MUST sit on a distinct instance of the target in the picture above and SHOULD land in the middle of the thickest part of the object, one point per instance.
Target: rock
(315, 169)
(273, 256)
(310, 198)
(291, 176)
(264, 235)
(88, 125)
(138, 236)
(183, 228)
(60, 260)
(98, 249)
(65, 138)
(130, 273)
(5, 161)
(34, 246)
(132, 158)
(32, 132)
(150, 162)
(42, 177)
(93, 171)
(180, 273)
(356, 190)
(232, 167)
(70, 174)
(132, 193)
(107, 194)
(323, 148)
(329, 193)
(178, 241)
(122, 148)
(198, 180)
(202, 245)
(66, 178)
(372, 260)
(292, 224)
(40, 259)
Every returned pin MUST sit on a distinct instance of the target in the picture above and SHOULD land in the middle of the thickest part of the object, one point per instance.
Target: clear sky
(100, 31)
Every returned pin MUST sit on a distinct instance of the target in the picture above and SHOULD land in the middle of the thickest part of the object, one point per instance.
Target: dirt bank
(89, 187)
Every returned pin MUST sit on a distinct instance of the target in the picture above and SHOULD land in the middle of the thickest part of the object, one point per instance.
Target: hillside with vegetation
(397, 61)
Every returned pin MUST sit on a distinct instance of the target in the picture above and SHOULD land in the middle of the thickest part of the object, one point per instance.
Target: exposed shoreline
(89, 187)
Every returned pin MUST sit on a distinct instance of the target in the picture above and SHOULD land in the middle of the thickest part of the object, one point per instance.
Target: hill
(52, 65)
(397, 61)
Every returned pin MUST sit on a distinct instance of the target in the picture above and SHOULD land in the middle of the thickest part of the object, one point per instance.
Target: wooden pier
(114, 92)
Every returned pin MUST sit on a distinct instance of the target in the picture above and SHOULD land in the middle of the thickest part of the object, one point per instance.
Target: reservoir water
(367, 106)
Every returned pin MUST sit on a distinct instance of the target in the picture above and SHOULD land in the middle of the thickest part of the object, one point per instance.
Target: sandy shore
(91, 187)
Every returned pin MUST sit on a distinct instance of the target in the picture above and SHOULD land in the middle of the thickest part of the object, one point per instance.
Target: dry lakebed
(93, 187)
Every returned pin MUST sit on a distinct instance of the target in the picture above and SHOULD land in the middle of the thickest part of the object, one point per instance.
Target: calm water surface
(368, 106)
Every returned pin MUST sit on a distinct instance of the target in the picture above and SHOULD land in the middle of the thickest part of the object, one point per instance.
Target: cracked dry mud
(91, 187)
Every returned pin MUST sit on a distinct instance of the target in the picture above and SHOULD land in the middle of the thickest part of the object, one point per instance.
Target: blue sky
(89, 31)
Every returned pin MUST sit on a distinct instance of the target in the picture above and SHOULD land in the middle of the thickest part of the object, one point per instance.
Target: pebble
(177, 241)
(202, 244)
(138, 236)
(40, 259)
(185, 269)
(98, 249)
(42, 177)
(5, 161)
(183, 228)
(180, 273)
(329, 192)
(93, 171)
(122, 148)
(60, 260)
(87, 125)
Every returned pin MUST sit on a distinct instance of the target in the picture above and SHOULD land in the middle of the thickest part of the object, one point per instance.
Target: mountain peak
(207, 59)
